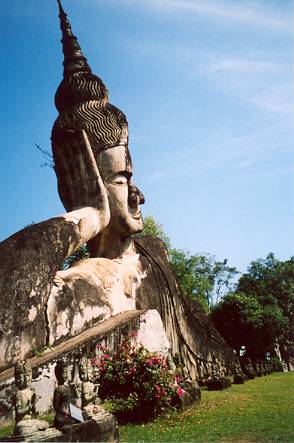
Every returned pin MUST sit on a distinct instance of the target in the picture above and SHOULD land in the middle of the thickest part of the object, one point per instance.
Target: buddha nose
(136, 197)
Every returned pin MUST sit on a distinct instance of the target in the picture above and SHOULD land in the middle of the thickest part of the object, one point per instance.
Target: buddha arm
(20, 409)
(30, 259)
(59, 402)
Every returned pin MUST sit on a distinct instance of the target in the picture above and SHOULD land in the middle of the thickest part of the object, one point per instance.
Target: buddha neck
(107, 245)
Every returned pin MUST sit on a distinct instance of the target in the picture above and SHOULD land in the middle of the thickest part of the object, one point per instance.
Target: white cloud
(257, 13)
(247, 13)
(229, 152)
(263, 84)
(244, 65)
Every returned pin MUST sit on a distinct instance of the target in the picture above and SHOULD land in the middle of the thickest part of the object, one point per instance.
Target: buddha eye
(119, 180)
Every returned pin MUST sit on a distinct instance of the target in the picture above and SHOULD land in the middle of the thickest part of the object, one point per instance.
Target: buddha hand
(79, 182)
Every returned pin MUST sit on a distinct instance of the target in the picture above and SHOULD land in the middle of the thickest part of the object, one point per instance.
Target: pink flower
(180, 392)
(178, 378)
(149, 362)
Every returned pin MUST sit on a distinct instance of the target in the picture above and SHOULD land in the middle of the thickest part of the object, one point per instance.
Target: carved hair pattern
(82, 99)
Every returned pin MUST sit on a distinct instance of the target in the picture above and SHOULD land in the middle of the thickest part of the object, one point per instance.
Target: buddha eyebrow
(125, 173)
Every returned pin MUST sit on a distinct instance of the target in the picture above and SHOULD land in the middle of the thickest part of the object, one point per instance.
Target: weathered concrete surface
(190, 332)
(149, 332)
(82, 339)
(90, 292)
(29, 261)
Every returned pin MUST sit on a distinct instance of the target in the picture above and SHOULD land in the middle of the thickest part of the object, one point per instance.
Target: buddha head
(19, 375)
(61, 372)
(85, 370)
(82, 102)
(22, 374)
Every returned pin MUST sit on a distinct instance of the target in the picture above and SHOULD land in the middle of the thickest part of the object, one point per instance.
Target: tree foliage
(260, 312)
(244, 321)
(80, 254)
(271, 281)
(154, 229)
(199, 276)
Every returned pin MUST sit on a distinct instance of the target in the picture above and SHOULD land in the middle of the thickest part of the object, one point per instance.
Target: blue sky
(207, 86)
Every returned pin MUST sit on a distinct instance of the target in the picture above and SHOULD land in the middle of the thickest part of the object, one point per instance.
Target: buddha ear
(72, 155)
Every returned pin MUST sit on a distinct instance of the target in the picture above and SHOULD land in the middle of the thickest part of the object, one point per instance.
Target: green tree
(237, 317)
(200, 277)
(271, 282)
(260, 312)
(154, 229)
(244, 321)
(80, 254)
(193, 274)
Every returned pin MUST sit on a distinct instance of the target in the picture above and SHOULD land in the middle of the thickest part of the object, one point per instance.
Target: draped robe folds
(41, 305)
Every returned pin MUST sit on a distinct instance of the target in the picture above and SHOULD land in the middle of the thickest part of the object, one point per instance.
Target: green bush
(137, 383)
(276, 364)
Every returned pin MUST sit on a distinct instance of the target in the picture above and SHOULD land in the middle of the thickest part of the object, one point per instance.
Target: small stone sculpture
(252, 372)
(239, 376)
(88, 390)
(248, 369)
(217, 382)
(63, 396)
(6, 402)
(215, 369)
(170, 362)
(25, 402)
(259, 369)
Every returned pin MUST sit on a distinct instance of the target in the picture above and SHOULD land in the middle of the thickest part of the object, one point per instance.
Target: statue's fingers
(89, 155)
(71, 188)
(75, 154)
(90, 170)
(64, 175)
(79, 155)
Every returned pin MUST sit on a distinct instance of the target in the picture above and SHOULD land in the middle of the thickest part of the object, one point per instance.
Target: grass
(6, 429)
(262, 410)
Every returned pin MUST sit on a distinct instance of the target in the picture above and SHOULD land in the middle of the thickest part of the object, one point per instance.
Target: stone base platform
(239, 379)
(102, 427)
(218, 384)
(250, 376)
(191, 394)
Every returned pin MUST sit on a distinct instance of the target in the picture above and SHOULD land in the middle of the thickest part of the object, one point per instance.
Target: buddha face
(124, 197)
(61, 374)
(83, 373)
(20, 380)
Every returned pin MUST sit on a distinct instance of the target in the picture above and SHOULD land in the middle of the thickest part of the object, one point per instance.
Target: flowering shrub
(138, 382)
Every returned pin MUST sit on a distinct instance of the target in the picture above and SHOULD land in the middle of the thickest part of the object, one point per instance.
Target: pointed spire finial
(82, 102)
(74, 60)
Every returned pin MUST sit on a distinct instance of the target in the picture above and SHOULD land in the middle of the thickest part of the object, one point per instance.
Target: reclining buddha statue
(41, 304)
